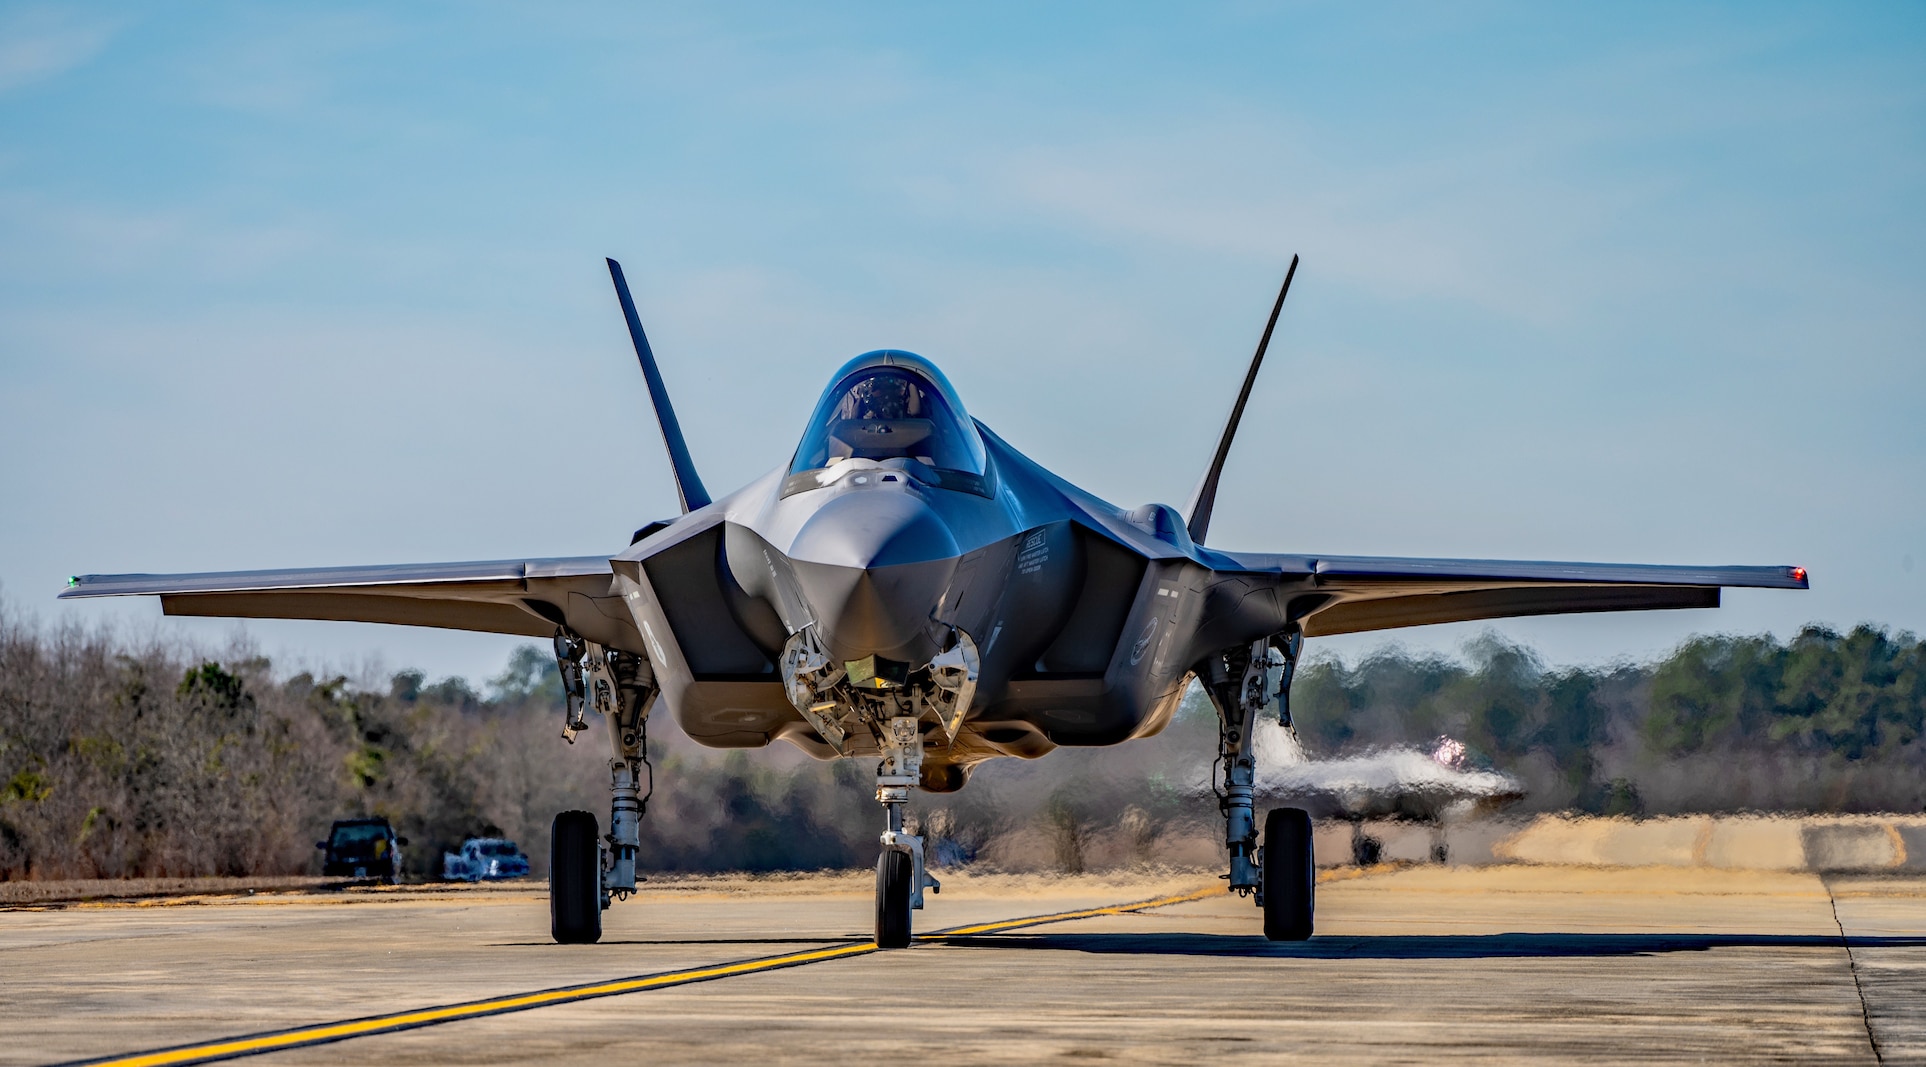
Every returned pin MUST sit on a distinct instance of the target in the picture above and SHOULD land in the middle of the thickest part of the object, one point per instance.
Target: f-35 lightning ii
(910, 589)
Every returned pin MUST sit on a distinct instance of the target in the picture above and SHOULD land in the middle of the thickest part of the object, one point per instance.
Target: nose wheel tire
(1290, 875)
(893, 874)
(575, 879)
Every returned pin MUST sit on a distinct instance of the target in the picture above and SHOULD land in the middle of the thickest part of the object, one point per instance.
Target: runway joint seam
(1852, 965)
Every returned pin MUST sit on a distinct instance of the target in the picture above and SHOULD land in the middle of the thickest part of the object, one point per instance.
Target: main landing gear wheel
(1290, 875)
(575, 879)
(893, 874)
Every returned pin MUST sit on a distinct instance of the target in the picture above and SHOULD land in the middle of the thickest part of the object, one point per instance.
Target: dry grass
(93, 889)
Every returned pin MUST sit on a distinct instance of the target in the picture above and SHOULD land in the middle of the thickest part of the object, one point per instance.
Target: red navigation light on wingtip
(1798, 574)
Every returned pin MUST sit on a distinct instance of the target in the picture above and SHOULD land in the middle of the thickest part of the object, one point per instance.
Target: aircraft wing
(528, 597)
(1382, 593)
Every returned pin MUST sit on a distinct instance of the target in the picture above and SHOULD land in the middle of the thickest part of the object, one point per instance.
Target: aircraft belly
(1182, 612)
(715, 679)
(1084, 640)
(732, 714)
(1128, 691)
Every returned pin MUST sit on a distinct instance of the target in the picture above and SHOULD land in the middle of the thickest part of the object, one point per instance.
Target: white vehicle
(484, 859)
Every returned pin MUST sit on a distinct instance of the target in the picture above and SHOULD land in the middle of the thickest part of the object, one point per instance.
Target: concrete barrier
(1740, 842)
(1756, 845)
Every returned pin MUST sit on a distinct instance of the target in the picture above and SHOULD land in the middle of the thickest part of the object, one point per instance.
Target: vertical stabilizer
(687, 484)
(1205, 498)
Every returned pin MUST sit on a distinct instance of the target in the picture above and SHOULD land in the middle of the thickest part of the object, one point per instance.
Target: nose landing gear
(860, 697)
(900, 874)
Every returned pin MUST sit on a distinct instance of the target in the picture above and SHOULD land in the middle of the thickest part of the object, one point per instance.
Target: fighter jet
(908, 588)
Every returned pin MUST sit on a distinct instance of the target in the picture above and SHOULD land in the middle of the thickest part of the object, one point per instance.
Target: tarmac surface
(1420, 964)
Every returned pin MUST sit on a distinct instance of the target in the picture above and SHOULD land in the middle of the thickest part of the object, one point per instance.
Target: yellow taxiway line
(255, 1044)
(1065, 916)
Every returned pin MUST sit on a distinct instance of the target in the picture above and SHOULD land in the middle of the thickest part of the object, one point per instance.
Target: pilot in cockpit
(882, 396)
(895, 414)
(883, 416)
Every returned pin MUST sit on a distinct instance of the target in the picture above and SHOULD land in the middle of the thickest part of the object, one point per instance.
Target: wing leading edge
(1380, 593)
(526, 597)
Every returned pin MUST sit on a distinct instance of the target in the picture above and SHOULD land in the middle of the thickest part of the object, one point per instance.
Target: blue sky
(287, 285)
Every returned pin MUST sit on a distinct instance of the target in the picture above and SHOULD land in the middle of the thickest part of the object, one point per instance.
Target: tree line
(1824, 722)
(122, 757)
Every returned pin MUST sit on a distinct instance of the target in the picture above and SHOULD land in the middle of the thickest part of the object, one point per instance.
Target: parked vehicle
(362, 849)
(484, 859)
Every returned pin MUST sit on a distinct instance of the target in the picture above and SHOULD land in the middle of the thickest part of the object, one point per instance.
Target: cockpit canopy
(893, 409)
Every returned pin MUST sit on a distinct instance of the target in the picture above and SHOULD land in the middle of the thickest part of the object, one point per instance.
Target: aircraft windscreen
(889, 413)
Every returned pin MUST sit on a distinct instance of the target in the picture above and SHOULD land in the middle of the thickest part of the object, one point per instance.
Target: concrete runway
(1414, 965)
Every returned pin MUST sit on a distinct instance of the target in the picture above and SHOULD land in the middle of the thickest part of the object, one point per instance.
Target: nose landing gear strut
(900, 874)
(889, 701)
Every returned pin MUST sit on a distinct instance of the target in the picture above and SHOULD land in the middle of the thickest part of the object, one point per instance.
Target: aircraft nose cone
(874, 528)
(874, 566)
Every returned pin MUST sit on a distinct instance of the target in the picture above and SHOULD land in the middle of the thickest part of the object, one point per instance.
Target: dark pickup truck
(362, 849)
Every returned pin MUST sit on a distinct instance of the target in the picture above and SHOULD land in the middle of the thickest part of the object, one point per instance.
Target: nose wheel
(895, 885)
(900, 876)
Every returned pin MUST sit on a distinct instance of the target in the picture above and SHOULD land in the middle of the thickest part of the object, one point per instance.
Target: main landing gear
(585, 870)
(1281, 875)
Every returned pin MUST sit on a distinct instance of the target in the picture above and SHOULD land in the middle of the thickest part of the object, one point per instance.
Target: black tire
(575, 879)
(893, 876)
(1290, 875)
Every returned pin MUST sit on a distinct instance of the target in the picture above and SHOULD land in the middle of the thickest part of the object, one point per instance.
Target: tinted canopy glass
(891, 406)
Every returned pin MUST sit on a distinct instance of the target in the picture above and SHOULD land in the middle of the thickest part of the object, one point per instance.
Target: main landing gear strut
(1281, 874)
(585, 871)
